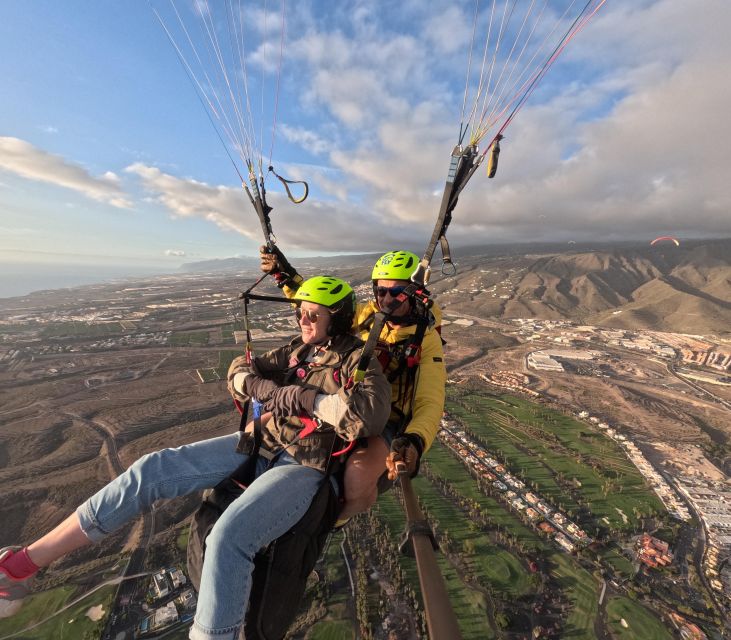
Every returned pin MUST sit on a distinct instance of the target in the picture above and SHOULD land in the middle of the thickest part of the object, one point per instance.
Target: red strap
(238, 406)
(413, 356)
(351, 444)
(310, 425)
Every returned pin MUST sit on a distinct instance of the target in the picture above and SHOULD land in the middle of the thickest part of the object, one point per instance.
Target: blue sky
(107, 157)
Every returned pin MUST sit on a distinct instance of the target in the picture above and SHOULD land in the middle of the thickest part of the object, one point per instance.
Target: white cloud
(177, 253)
(312, 225)
(629, 136)
(192, 199)
(308, 140)
(48, 129)
(23, 159)
(448, 31)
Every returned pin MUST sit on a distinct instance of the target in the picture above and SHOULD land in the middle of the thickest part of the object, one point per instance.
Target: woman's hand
(237, 373)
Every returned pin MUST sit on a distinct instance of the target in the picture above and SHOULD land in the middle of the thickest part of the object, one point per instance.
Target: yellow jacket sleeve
(429, 394)
(288, 291)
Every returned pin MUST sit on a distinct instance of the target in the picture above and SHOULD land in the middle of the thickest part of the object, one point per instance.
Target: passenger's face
(314, 321)
(384, 297)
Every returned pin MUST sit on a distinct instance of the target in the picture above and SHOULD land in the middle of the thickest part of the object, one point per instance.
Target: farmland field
(555, 452)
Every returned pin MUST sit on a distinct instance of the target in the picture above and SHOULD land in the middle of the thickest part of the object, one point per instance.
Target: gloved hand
(330, 408)
(291, 400)
(269, 260)
(237, 373)
(407, 450)
(273, 262)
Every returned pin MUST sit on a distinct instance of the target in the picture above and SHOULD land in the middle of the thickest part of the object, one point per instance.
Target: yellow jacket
(431, 375)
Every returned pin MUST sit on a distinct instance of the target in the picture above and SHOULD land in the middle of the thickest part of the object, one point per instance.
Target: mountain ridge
(668, 288)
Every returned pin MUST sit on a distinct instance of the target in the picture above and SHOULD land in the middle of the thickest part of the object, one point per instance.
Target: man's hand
(269, 260)
(273, 262)
(405, 450)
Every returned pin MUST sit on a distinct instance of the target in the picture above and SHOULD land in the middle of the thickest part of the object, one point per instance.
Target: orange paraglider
(664, 239)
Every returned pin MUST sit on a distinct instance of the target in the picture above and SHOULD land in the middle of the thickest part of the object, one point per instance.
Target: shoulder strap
(245, 472)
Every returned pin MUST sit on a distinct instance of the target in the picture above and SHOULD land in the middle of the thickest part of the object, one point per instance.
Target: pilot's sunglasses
(392, 291)
(312, 316)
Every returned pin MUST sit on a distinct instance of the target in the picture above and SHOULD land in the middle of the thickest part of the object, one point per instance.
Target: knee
(146, 462)
(233, 536)
(360, 491)
(364, 501)
(222, 540)
(146, 476)
(151, 463)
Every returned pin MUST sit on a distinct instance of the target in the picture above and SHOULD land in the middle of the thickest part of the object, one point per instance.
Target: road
(700, 554)
(136, 561)
(671, 370)
(601, 630)
(107, 433)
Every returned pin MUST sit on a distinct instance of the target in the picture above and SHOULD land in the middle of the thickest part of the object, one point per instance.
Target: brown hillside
(684, 289)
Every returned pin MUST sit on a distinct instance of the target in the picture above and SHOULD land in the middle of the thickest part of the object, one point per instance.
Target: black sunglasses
(394, 291)
(312, 316)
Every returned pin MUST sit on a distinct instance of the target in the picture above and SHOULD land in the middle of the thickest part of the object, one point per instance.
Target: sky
(108, 159)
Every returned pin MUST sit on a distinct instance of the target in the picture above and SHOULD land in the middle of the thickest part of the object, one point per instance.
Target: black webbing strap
(286, 184)
(379, 319)
(411, 356)
(461, 167)
(419, 527)
(246, 296)
(412, 290)
(257, 296)
(244, 414)
(249, 444)
(446, 256)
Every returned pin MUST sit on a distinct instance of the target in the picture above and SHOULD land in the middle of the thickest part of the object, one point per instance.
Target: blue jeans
(271, 505)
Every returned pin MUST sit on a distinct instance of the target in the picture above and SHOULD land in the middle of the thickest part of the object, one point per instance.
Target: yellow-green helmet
(334, 293)
(395, 265)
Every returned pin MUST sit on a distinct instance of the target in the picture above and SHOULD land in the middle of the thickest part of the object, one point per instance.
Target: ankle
(18, 565)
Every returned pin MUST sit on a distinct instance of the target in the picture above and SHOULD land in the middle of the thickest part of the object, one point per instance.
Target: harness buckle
(413, 355)
(246, 444)
(309, 425)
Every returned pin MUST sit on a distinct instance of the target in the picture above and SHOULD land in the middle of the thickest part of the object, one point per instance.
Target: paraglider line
(279, 75)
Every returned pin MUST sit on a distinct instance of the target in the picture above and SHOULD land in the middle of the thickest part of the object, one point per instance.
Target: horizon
(49, 276)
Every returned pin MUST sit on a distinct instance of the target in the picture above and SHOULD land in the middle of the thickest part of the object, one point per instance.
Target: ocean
(21, 279)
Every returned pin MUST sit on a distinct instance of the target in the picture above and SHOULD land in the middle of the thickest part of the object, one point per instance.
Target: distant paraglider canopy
(665, 239)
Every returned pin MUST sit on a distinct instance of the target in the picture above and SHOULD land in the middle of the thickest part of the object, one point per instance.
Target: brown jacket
(289, 378)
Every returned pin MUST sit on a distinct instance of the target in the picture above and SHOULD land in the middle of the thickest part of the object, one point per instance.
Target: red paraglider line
(533, 82)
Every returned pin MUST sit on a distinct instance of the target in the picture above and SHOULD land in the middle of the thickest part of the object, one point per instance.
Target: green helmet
(324, 290)
(334, 293)
(395, 265)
